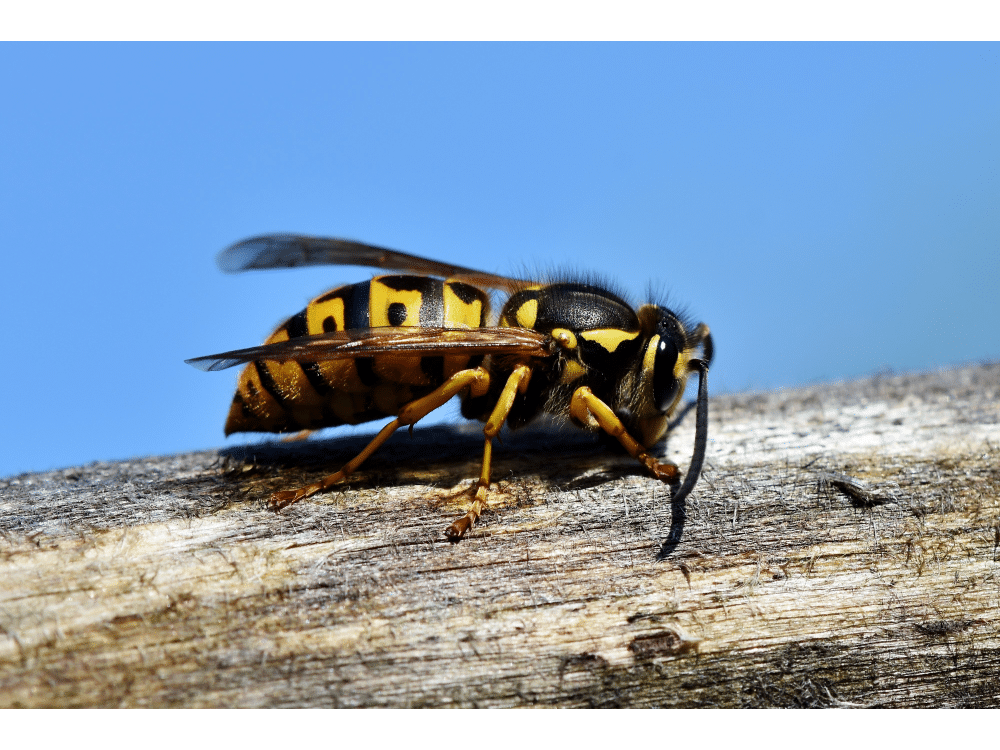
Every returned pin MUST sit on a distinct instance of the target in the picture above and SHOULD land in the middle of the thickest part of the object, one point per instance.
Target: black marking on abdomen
(465, 292)
(315, 377)
(396, 314)
(244, 406)
(431, 292)
(356, 298)
(267, 380)
(297, 325)
(432, 303)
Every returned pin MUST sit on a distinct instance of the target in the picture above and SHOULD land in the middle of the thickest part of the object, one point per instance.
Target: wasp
(401, 346)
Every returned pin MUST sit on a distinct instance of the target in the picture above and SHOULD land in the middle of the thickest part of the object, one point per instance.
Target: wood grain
(840, 550)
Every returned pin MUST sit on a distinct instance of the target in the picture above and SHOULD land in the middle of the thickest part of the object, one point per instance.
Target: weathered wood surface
(166, 582)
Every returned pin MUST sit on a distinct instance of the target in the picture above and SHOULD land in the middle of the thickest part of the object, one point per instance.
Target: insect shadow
(561, 458)
(556, 456)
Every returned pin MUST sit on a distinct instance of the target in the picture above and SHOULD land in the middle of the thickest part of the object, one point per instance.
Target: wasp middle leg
(516, 383)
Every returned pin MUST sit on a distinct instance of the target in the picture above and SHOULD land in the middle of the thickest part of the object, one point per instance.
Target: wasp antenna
(707, 347)
(700, 432)
(677, 510)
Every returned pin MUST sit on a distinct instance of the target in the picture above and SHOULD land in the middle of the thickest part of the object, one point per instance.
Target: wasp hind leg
(477, 380)
(516, 383)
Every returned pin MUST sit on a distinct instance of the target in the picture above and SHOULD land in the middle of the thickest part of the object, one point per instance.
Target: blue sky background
(830, 210)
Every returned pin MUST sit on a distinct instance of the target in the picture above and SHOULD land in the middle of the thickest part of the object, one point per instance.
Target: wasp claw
(665, 472)
(284, 498)
(457, 530)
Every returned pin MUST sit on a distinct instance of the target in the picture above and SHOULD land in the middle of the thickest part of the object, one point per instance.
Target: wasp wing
(295, 250)
(370, 341)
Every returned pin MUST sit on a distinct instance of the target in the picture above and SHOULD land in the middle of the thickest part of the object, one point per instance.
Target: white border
(509, 20)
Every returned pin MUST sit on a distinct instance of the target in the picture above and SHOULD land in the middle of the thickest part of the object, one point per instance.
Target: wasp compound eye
(665, 383)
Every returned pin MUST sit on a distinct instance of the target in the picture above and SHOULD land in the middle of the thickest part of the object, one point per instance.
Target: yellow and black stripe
(290, 396)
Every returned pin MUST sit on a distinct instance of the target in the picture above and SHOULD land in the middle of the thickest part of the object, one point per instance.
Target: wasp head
(657, 381)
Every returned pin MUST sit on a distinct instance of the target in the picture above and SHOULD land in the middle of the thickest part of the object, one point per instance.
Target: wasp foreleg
(516, 383)
(588, 409)
(477, 380)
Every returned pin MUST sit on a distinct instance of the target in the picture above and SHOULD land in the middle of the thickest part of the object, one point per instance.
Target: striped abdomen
(291, 396)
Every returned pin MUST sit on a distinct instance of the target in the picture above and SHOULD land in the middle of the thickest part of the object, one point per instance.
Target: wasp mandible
(401, 346)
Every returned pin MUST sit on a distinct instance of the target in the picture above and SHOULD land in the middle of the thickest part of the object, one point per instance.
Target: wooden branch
(841, 549)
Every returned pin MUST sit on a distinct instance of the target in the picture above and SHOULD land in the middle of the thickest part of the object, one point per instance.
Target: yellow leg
(477, 380)
(590, 410)
(300, 435)
(516, 383)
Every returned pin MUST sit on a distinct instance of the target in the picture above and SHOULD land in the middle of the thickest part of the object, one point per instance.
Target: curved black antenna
(700, 431)
(707, 347)
(678, 512)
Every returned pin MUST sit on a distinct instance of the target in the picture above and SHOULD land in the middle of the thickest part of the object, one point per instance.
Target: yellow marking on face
(318, 312)
(459, 314)
(527, 314)
(382, 296)
(573, 371)
(565, 338)
(647, 363)
(681, 366)
(609, 338)
(681, 371)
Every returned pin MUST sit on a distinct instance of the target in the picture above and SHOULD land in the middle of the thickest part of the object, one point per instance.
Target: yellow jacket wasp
(401, 346)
